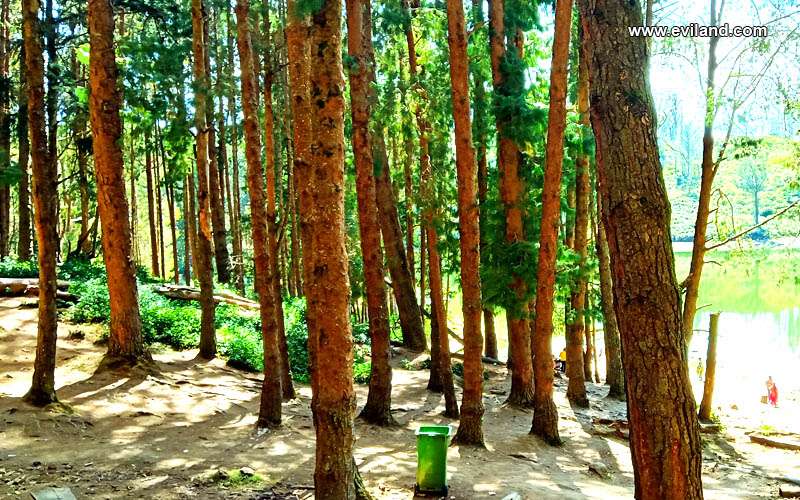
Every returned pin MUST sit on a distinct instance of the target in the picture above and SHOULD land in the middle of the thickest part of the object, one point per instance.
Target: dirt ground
(162, 436)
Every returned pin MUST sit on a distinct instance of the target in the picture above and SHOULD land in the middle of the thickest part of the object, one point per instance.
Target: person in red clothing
(773, 395)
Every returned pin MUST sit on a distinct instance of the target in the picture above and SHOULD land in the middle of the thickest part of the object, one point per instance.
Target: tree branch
(752, 228)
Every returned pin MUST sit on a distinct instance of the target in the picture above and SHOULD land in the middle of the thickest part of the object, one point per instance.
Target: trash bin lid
(434, 430)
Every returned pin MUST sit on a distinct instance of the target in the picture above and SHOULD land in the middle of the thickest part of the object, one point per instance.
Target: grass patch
(234, 479)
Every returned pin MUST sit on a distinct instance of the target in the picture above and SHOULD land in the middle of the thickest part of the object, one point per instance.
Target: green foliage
(361, 372)
(242, 346)
(11, 268)
(297, 337)
(361, 334)
(92, 306)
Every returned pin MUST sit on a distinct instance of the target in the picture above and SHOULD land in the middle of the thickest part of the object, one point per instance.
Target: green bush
(243, 347)
(172, 322)
(361, 334)
(11, 268)
(361, 372)
(92, 306)
(297, 337)
(176, 323)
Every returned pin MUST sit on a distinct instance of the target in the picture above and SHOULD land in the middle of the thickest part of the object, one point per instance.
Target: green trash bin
(432, 443)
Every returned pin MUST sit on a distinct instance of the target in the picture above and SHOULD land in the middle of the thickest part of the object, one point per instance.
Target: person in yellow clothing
(563, 358)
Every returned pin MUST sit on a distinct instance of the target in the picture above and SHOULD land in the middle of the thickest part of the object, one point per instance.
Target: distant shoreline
(784, 243)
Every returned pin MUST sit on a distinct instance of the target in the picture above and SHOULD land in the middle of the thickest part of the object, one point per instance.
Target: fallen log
(774, 443)
(20, 285)
(187, 293)
(485, 359)
(12, 287)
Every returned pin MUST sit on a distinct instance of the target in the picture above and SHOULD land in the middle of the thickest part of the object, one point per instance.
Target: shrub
(11, 268)
(243, 347)
(92, 306)
(361, 334)
(361, 372)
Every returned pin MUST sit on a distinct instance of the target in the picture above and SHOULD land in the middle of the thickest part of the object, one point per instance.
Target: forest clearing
(393, 249)
(164, 436)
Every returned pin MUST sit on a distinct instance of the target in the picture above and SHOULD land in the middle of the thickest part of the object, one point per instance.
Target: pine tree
(664, 432)
(125, 343)
(45, 177)
(545, 414)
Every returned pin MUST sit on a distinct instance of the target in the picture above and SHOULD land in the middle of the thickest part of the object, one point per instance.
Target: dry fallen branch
(187, 293)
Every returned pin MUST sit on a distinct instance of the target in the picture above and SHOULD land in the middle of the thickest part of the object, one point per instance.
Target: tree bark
(158, 164)
(614, 375)
(237, 259)
(576, 329)
(711, 369)
(359, 31)
(204, 254)
(151, 210)
(24, 242)
(173, 232)
(134, 216)
(664, 438)
(402, 281)
(328, 290)
(512, 189)
(435, 266)
(435, 381)
(271, 393)
(187, 245)
(5, 127)
(125, 344)
(709, 171)
(216, 204)
(45, 175)
(272, 216)
(545, 414)
(470, 430)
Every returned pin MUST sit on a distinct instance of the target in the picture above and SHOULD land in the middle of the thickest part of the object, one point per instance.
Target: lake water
(758, 295)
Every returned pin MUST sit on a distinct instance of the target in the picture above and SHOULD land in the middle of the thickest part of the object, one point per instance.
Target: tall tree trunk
(437, 302)
(402, 279)
(24, 242)
(270, 411)
(664, 438)
(614, 376)
(709, 171)
(204, 254)
(409, 189)
(576, 329)
(171, 202)
(470, 430)
(79, 128)
(359, 31)
(187, 244)
(512, 189)
(217, 208)
(711, 368)
(158, 164)
(328, 289)
(479, 135)
(5, 127)
(151, 210)
(45, 175)
(299, 53)
(545, 414)
(125, 344)
(134, 215)
(192, 220)
(272, 216)
(435, 381)
(236, 230)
